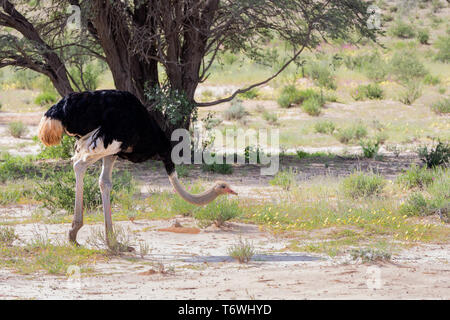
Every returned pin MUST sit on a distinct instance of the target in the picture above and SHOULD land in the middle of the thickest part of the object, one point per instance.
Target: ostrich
(110, 124)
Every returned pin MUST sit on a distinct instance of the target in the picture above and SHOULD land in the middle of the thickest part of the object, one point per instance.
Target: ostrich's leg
(79, 167)
(105, 183)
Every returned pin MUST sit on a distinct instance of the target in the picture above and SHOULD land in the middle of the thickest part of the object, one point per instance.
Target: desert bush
(218, 212)
(45, 98)
(370, 148)
(288, 97)
(58, 190)
(403, 30)
(442, 45)
(405, 66)
(17, 129)
(270, 117)
(416, 177)
(181, 206)
(285, 179)
(360, 184)
(441, 106)
(352, 133)
(236, 111)
(416, 205)
(322, 73)
(7, 235)
(242, 251)
(431, 80)
(250, 94)
(62, 151)
(435, 156)
(16, 167)
(412, 92)
(312, 106)
(325, 126)
(222, 168)
(370, 91)
(119, 240)
(423, 35)
(24, 78)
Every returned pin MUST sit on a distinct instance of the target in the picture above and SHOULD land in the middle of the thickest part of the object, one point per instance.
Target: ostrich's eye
(222, 186)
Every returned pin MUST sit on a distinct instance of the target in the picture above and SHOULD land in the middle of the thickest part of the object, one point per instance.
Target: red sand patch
(181, 230)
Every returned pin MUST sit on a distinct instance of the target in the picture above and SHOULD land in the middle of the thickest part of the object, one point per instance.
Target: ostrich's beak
(232, 191)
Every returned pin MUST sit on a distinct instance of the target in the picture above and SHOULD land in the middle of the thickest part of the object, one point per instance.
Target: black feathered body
(118, 116)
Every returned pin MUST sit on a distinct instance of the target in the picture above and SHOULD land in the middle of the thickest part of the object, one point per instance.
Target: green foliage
(7, 235)
(285, 179)
(62, 151)
(312, 106)
(46, 98)
(88, 77)
(412, 92)
(24, 78)
(288, 97)
(325, 126)
(370, 91)
(17, 129)
(250, 94)
(370, 148)
(242, 251)
(236, 111)
(16, 167)
(423, 35)
(58, 190)
(431, 80)
(437, 156)
(416, 177)
(174, 104)
(182, 171)
(222, 168)
(406, 66)
(443, 48)
(352, 133)
(441, 106)
(322, 73)
(181, 206)
(270, 117)
(372, 65)
(218, 212)
(416, 205)
(360, 184)
(403, 30)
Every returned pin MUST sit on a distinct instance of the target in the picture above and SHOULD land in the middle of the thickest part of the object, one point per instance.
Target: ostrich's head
(223, 188)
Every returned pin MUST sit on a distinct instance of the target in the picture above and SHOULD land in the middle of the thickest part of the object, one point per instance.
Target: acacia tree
(159, 49)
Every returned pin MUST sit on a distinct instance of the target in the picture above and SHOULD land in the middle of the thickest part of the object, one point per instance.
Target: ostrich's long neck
(198, 199)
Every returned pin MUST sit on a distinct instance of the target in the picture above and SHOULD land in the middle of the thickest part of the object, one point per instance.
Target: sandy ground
(197, 266)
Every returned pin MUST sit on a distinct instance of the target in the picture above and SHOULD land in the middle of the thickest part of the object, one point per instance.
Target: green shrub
(181, 206)
(218, 212)
(416, 205)
(7, 235)
(352, 133)
(45, 98)
(288, 97)
(431, 80)
(437, 156)
(412, 92)
(423, 35)
(441, 106)
(17, 129)
(16, 167)
(285, 179)
(250, 94)
(242, 251)
(443, 48)
(222, 168)
(182, 171)
(270, 117)
(325, 126)
(370, 91)
(406, 66)
(62, 151)
(88, 77)
(416, 177)
(322, 74)
(403, 30)
(236, 111)
(370, 148)
(58, 189)
(360, 184)
(312, 106)
(370, 255)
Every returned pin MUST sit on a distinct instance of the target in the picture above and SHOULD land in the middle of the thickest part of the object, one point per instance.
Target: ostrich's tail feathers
(50, 131)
